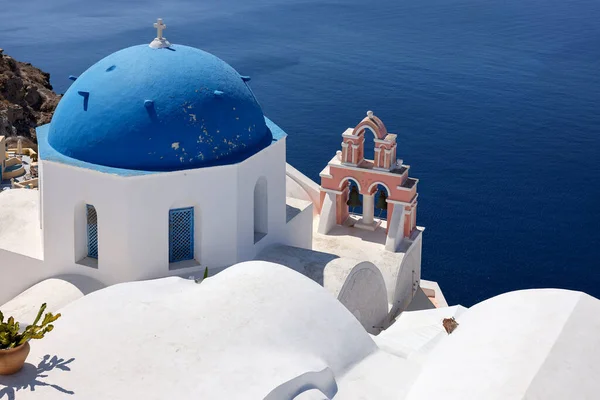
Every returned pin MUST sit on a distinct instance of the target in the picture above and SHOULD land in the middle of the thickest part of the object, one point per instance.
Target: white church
(158, 164)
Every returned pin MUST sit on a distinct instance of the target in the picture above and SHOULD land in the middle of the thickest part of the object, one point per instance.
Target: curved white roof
(237, 335)
(532, 344)
(260, 330)
(56, 293)
(416, 333)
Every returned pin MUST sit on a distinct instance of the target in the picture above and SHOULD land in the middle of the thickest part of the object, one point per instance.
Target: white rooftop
(19, 222)
(259, 330)
(531, 344)
(237, 335)
(361, 244)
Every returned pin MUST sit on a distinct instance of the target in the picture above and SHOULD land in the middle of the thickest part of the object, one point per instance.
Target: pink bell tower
(384, 171)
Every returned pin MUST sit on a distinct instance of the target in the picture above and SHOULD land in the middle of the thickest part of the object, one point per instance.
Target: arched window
(181, 234)
(369, 144)
(355, 198)
(380, 202)
(92, 231)
(261, 209)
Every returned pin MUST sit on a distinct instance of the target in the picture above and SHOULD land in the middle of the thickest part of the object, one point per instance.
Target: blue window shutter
(181, 234)
(92, 231)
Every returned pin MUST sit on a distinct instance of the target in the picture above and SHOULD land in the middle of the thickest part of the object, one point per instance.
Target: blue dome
(159, 110)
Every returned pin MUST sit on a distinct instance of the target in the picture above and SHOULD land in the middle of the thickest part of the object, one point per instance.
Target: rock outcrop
(26, 98)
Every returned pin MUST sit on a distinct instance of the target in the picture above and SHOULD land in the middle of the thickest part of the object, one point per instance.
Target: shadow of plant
(30, 377)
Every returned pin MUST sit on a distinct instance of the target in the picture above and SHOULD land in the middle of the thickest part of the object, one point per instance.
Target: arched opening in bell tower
(381, 195)
(353, 197)
(369, 144)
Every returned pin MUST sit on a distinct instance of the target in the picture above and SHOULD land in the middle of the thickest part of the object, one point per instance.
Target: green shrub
(204, 277)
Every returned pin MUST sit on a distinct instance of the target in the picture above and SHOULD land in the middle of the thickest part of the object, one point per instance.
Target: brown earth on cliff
(26, 99)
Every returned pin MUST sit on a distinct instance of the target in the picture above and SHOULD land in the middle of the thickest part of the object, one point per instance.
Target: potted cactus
(14, 345)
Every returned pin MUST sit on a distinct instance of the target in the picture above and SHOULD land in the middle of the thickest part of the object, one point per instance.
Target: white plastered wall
(133, 221)
(269, 164)
(133, 214)
(361, 289)
(409, 277)
(300, 229)
(66, 190)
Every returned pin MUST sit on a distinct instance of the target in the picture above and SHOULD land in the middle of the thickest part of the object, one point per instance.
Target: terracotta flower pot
(12, 360)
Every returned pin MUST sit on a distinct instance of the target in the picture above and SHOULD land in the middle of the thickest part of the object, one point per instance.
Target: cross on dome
(159, 28)
(159, 42)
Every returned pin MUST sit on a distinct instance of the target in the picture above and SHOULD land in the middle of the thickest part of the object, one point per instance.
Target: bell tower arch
(382, 183)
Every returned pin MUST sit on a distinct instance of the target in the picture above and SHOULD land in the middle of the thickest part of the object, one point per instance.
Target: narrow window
(261, 211)
(92, 232)
(181, 234)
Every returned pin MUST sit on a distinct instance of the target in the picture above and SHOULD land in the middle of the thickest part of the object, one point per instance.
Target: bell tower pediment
(353, 145)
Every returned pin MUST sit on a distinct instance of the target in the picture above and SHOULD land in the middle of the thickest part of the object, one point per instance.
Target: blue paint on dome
(201, 113)
(48, 153)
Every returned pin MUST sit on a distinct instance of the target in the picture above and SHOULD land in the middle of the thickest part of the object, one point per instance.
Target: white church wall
(133, 215)
(133, 219)
(210, 191)
(261, 208)
(80, 232)
(65, 189)
(41, 204)
(66, 192)
(269, 165)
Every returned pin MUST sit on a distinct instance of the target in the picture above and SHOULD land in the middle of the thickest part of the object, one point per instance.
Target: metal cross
(159, 28)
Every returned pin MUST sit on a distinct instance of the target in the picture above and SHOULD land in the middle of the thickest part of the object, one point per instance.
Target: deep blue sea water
(496, 104)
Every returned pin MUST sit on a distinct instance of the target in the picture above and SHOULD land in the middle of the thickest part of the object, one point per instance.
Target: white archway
(261, 209)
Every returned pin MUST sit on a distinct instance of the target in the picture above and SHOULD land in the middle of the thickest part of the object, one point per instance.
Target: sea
(496, 104)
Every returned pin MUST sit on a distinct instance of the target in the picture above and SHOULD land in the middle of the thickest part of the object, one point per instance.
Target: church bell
(381, 201)
(354, 198)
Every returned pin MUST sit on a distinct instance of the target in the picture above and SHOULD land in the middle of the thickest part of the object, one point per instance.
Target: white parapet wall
(409, 276)
(309, 190)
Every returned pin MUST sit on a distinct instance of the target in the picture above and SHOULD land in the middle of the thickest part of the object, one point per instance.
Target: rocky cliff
(26, 99)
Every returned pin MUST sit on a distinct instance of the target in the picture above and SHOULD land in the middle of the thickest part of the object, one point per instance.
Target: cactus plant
(10, 337)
